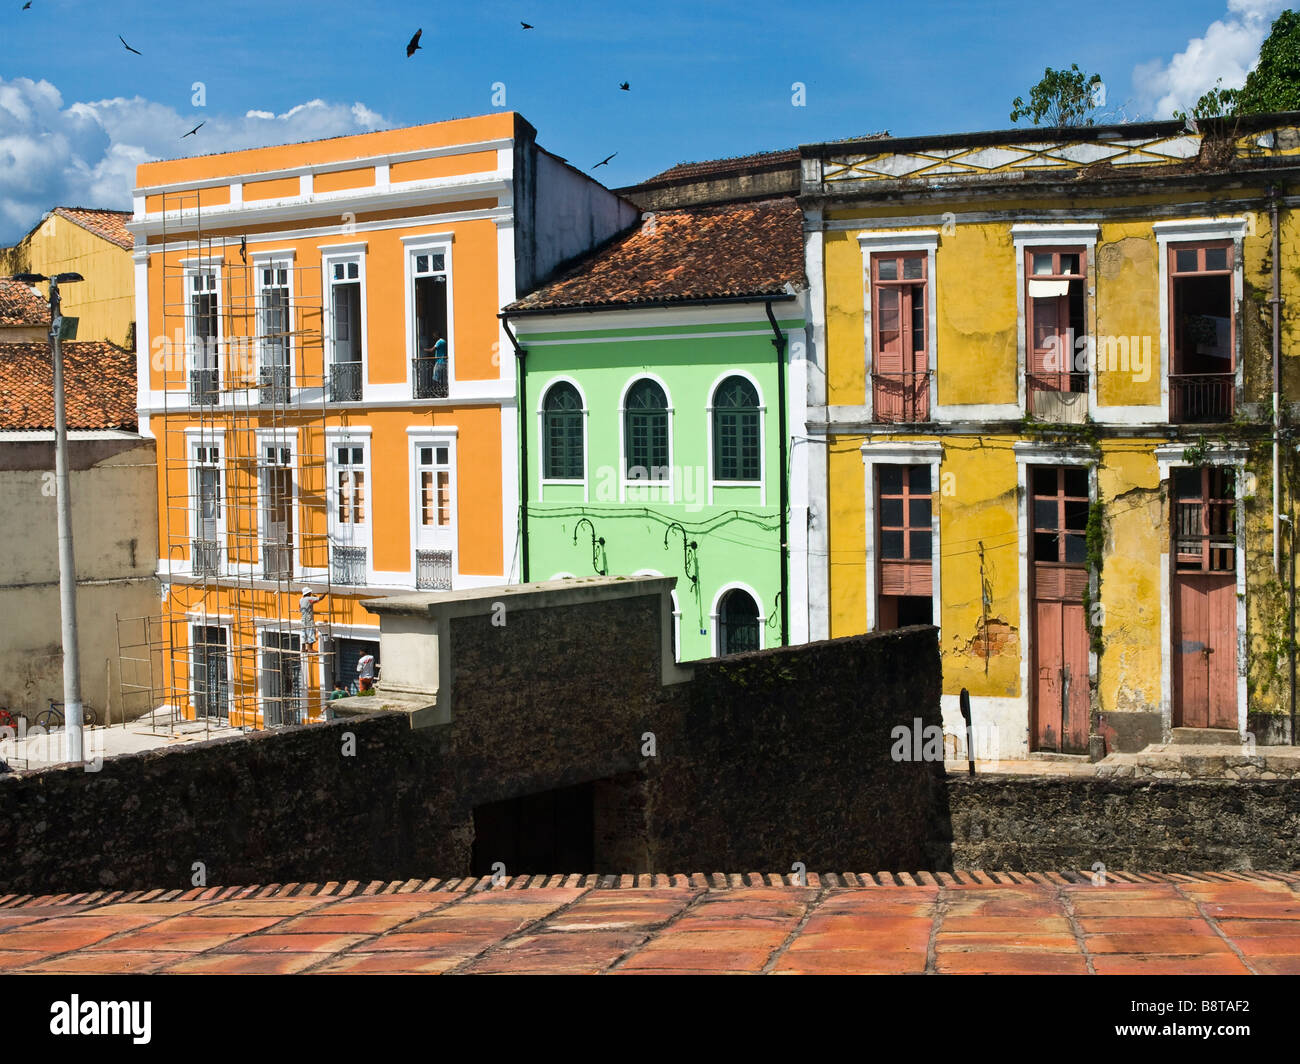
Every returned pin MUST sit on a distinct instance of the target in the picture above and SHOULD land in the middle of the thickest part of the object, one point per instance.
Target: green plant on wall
(1095, 540)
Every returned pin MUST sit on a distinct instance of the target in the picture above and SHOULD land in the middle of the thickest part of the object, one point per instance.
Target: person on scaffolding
(307, 607)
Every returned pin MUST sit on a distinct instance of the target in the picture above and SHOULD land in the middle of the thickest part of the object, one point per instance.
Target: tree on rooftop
(1062, 98)
(1273, 85)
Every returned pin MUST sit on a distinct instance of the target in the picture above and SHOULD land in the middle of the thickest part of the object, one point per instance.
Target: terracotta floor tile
(1155, 943)
(107, 963)
(983, 941)
(299, 943)
(431, 941)
(849, 962)
(1254, 910)
(1156, 964)
(179, 941)
(1275, 946)
(244, 964)
(716, 941)
(1029, 925)
(1127, 925)
(1000, 963)
(1276, 965)
(11, 959)
(229, 926)
(887, 941)
(262, 907)
(37, 938)
(399, 963)
(355, 923)
(1235, 929)
(751, 960)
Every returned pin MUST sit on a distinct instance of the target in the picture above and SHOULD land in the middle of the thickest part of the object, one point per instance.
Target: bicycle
(53, 717)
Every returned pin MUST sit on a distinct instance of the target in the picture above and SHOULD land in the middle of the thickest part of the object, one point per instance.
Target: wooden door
(1204, 597)
(1060, 666)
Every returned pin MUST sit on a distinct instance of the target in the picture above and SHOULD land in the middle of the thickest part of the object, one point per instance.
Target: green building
(653, 437)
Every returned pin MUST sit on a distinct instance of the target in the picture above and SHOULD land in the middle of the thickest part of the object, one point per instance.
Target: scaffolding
(243, 458)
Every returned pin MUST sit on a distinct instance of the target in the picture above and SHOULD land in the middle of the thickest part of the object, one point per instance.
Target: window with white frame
(208, 526)
(737, 431)
(349, 522)
(274, 331)
(645, 428)
(203, 316)
(435, 519)
(276, 488)
(429, 300)
(346, 327)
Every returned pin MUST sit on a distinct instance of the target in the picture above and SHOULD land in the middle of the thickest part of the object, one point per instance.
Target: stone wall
(1018, 824)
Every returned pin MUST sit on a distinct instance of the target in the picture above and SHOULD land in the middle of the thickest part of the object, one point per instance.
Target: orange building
(332, 392)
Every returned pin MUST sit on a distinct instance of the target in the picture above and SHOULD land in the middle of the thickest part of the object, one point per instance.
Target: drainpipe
(522, 395)
(1276, 304)
(779, 342)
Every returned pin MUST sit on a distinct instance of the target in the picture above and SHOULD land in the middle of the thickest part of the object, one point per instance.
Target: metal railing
(1201, 397)
(345, 382)
(273, 384)
(430, 377)
(1061, 398)
(433, 570)
(205, 386)
(348, 566)
(205, 557)
(901, 397)
(277, 560)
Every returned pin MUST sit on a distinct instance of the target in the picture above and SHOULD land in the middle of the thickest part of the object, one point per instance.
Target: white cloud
(1228, 51)
(85, 153)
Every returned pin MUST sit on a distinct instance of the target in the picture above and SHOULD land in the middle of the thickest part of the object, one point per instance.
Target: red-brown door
(901, 388)
(1058, 657)
(1204, 599)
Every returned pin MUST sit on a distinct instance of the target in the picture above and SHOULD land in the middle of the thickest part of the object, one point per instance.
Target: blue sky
(706, 80)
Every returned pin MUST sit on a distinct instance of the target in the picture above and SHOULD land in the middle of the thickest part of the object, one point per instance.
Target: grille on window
(205, 557)
(348, 565)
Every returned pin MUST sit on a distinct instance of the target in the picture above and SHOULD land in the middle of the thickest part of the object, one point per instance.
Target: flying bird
(27, 5)
(604, 160)
(195, 129)
(413, 43)
(243, 250)
(127, 46)
(625, 87)
(525, 25)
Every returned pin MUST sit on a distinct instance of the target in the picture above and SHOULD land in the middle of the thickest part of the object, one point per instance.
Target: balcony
(345, 382)
(277, 560)
(430, 376)
(273, 384)
(1058, 398)
(901, 397)
(1198, 398)
(204, 387)
(205, 557)
(348, 566)
(433, 570)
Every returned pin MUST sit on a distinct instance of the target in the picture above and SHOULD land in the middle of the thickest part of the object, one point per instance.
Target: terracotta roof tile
(21, 304)
(713, 167)
(111, 225)
(98, 381)
(750, 249)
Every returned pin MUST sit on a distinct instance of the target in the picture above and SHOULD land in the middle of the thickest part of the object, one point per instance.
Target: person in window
(306, 607)
(437, 350)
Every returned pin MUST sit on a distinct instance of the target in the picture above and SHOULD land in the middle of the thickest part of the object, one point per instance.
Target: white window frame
(1025, 236)
(424, 244)
(280, 439)
(331, 256)
(761, 483)
(927, 454)
(898, 242)
(542, 479)
(715, 634)
(226, 625)
(196, 438)
(274, 260)
(1195, 231)
(192, 269)
(362, 532)
(437, 436)
(624, 482)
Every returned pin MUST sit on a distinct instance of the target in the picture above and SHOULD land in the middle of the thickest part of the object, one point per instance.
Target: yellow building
(332, 392)
(95, 244)
(1040, 398)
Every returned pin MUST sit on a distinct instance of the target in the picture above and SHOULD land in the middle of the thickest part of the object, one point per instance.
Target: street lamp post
(63, 503)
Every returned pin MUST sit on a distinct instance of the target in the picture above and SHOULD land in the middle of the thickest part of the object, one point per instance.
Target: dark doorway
(537, 834)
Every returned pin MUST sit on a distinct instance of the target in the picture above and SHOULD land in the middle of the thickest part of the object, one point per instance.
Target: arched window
(735, 431)
(562, 457)
(737, 623)
(646, 432)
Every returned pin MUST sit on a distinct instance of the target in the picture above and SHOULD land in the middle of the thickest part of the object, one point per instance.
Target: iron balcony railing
(430, 377)
(277, 560)
(205, 386)
(433, 570)
(205, 557)
(901, 397)
(348, 565)
(1201, 397)
(345, 382)
(1061, 398)
(273, 384)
